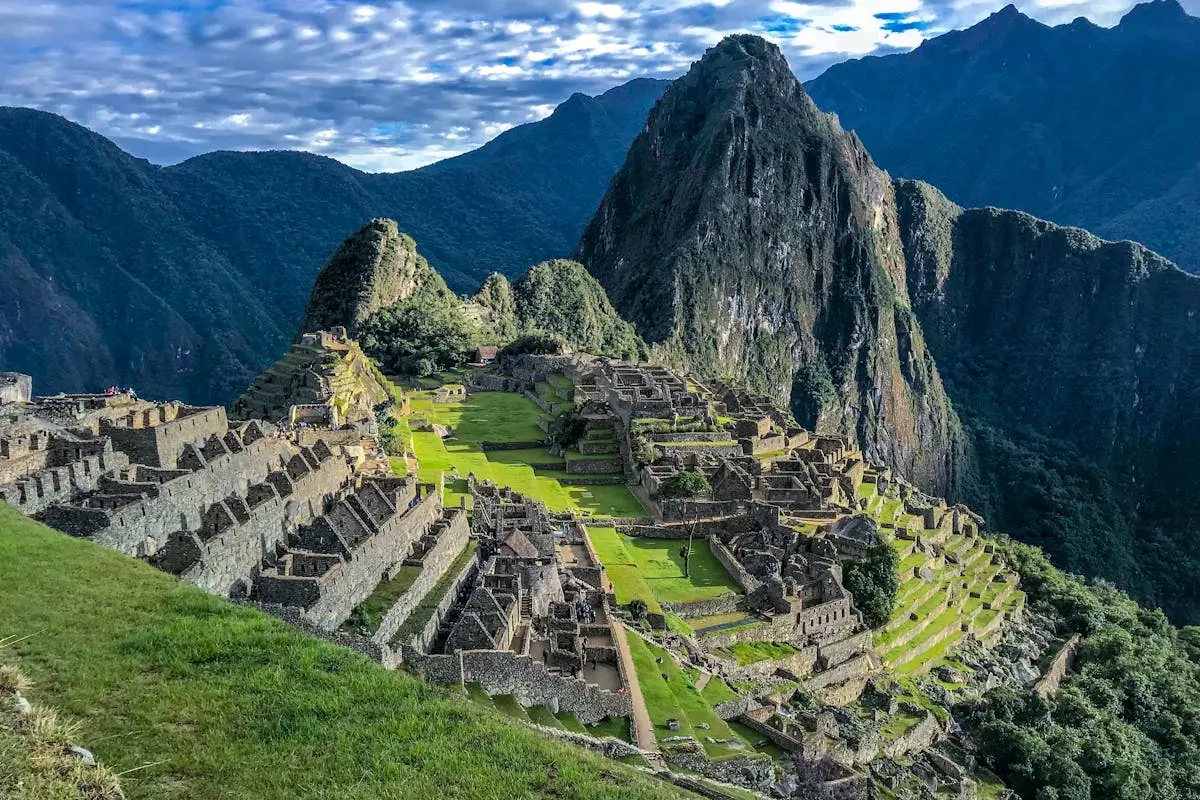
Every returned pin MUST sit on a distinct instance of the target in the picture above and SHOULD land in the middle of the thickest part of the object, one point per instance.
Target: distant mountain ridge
(186, 281)
(1078, 124)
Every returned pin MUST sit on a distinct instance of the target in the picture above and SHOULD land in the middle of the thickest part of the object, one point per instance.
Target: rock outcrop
(748, 236)
(374, 268)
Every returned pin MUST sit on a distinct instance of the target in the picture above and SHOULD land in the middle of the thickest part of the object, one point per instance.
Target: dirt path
(702, 681)
(643, 728)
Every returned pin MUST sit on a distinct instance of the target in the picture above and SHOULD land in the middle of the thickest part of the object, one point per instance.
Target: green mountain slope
(186, 281)
(1076, 363)
(1078, 124)
(190, 697)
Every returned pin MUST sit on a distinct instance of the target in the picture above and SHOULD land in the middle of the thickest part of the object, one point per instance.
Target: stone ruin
(242, 510)
(535, 620)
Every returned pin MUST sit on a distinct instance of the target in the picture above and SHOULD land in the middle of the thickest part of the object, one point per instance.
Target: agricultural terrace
(962, 593)
(190, 697)
(507, 419)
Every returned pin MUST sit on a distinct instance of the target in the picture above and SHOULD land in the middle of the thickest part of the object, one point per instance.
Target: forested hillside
(186, 281)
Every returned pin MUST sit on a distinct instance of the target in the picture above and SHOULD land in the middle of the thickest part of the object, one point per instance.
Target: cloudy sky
(389, 85)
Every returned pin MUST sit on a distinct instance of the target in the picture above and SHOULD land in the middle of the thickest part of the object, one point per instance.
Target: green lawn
(386, 594)
(753, 652)
(659, 566)
(505, 417)
(194, 698)
(675, 697)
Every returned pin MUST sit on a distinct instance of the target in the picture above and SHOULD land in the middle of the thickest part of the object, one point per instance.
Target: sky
(391, 85)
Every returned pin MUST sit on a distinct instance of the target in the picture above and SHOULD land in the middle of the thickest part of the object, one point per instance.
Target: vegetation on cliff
(376, 267)
(561, 297)
(1125, 725)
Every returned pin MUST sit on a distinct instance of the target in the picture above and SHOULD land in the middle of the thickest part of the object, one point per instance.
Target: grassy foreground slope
(189, 696)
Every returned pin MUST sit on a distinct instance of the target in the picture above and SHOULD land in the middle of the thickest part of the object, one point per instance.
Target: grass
(716, 691)
(675, 697)
(35, 762)
(208, 700)
(503, 417)
(375, 607)
(753, 652)
(658, 567)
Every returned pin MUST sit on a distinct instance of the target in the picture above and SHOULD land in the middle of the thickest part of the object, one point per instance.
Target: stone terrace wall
(734, 567)
(38, 492)
(347, 585)
(838, 651)
(160, 445)
(419, 644)
(434, 566)
(140, 529)
(236, 553)
(504, 672)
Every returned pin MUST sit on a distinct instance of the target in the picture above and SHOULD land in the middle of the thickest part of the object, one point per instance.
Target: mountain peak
(1156, 15)
(743, 51)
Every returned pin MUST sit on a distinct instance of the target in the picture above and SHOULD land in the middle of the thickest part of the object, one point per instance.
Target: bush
(684, 484)
(638, 608)
(873, 582)
(645, 451)
(534, 343)
(424, 334)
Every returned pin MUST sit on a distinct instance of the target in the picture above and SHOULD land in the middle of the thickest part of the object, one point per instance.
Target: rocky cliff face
(747, 236)
(376, 267)
(1079, 356)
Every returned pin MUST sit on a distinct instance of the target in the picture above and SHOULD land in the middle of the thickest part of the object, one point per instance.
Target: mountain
(1038, 373)
(384, 293)
(376, 267)
(1075, 363)
(1079, 124)
(187, 280)
(749, 237)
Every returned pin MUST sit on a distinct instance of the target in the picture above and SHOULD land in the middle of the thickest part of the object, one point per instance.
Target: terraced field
(964, 592)
(508, 420)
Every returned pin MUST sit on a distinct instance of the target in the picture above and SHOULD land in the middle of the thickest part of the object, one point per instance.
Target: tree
(684, 484)
(638, 608)
(424, 334)
(873, 582)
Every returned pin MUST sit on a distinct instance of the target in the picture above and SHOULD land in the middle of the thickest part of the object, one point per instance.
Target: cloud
(387, 85)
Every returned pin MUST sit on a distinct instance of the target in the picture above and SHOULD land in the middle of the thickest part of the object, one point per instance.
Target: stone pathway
(643, 728)
(702, 681)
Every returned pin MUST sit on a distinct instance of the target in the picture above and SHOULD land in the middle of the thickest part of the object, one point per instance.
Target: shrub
(638, 608)
(873, 581)
(684, 484)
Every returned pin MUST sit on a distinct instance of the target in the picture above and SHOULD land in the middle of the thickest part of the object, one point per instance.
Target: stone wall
(421, 642)
(449, 545)
(15, 387)
(505, 672)
(919, 737)
(855, 667)
(38, 492)
(351, 582)
(234, 554)
(160, 445)
(838, 651)
(141, 528)
(753, 773)
(592, 466)
(731, 450)
(726, 604)
(740, 575)
(765, 444)
(1049, 683)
